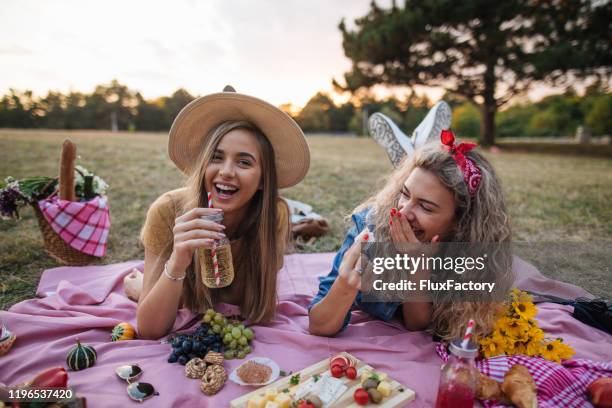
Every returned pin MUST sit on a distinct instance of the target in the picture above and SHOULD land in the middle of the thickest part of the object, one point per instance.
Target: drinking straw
(468, 334)
(213, 251)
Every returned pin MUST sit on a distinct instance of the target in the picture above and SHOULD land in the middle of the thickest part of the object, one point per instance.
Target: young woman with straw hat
(237, 151)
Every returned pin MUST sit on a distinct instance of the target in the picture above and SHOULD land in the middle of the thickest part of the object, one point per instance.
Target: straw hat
(195, 121)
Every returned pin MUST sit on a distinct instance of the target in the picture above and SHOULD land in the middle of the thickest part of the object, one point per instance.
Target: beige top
(156, 234)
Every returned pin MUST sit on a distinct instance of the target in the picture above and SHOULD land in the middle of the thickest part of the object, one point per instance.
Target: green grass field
(551, 198)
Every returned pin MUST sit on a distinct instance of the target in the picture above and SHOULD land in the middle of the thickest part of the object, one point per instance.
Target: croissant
(519, 386)
(488, 388)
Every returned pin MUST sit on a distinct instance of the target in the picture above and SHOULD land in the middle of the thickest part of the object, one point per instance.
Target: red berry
(351, 373)
(361, 396)
(337, 371)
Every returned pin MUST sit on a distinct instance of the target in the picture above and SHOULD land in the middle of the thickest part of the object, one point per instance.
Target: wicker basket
(56, 247)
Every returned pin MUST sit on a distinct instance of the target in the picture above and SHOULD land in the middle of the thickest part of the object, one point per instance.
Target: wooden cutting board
(400, 395)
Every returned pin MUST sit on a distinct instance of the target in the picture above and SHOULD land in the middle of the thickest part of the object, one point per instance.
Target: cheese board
(331, 391)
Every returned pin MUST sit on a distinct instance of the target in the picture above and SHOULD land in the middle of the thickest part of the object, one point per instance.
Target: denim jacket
(382, 310)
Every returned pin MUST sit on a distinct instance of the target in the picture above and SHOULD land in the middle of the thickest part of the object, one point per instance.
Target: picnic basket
(56, 247)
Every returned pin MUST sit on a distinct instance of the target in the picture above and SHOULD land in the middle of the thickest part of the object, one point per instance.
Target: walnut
(195, 368)
(215, 358)
(213, 380)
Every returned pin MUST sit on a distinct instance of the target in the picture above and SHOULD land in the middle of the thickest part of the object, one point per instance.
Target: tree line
(555, 115)
(108, 105)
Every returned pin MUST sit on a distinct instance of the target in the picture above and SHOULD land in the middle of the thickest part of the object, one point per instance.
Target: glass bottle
(223, 251)
(459, 377)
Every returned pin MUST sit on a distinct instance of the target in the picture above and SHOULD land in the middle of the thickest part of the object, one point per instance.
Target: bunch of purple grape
(186, 346)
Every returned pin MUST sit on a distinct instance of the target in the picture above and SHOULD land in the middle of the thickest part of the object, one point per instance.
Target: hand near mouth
(404, 238)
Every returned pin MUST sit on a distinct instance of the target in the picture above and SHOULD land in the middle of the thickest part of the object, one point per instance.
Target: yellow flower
(565, 351)
(535, 334)
(520, 348)
(556, 351)
(517, 295)
(515, 329)
(525, 310)
(533, 348)
(493, 345)
(517, 332)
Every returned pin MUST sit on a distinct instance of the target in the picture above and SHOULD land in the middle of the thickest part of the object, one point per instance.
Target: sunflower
(517, 295)
(493, 345)
(525, 310)
(518, 329)
(556, 351)
(564, 351)
(520, 348)
(532, 349)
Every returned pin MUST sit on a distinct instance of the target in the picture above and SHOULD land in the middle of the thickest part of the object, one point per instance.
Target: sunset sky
(280, 50)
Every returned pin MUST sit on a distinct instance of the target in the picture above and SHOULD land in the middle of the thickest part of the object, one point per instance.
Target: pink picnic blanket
(88, 301)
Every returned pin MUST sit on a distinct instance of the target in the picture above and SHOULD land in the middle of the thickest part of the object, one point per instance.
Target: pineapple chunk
(270, 394)
(384, 388)
(257, 401)
(382, 376)
(283, 400)
(271, 404)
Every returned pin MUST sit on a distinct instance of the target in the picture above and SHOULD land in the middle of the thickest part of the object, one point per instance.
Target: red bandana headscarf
(471, 172)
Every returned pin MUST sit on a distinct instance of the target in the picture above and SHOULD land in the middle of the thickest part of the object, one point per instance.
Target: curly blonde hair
(481, 218)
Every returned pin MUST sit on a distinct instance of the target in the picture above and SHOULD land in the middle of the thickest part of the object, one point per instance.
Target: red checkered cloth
(559, 385)
(83, 225)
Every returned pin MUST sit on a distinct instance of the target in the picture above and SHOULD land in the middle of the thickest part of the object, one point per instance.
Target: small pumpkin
(81, 357)
(123, 331)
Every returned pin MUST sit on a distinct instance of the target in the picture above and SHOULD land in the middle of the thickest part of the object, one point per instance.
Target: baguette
(66, 172)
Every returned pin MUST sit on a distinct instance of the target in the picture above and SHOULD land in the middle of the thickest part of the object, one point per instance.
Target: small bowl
(260, 360)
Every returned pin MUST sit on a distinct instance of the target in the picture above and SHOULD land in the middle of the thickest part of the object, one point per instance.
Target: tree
(487, 51)
(465, 120)
(314, 117)
(600, 117)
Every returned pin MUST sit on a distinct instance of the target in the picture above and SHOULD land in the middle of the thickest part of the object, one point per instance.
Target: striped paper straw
(468, 333)
(213, 252)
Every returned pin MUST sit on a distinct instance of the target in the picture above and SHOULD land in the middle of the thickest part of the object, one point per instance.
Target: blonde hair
(481, 218)
(257, 233)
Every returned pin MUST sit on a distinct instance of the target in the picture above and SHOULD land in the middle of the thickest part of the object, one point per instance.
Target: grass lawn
(551, 198)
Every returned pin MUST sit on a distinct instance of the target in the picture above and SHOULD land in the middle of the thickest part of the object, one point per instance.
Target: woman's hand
(348, 273)
(192, 232)
(401, 233)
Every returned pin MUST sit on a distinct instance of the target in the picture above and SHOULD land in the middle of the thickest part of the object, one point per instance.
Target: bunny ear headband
(471, 172)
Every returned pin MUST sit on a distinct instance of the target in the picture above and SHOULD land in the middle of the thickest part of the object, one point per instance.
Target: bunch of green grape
(235, 336)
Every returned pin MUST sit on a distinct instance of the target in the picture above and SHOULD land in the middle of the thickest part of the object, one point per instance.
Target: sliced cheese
(283, 400)
(258, 401)
(384, 388)
(270, 394)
